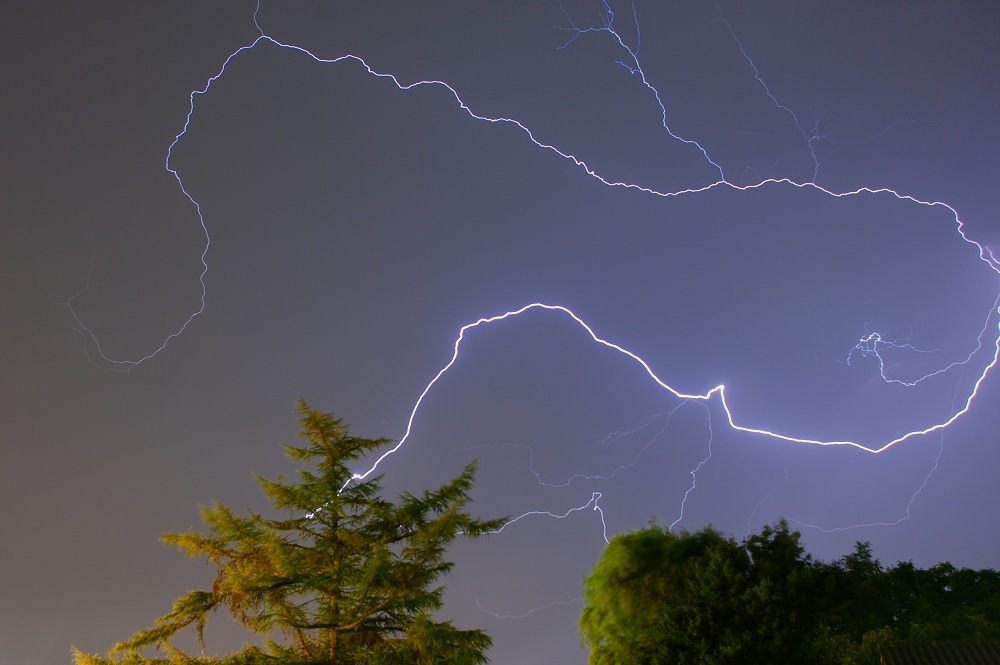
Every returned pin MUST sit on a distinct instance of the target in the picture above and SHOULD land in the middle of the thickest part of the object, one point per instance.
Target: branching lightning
(872, 346)
(566, 482)
(533, 610)
(592, 504)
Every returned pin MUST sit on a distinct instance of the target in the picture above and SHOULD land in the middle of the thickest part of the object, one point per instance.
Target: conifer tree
(347, 579)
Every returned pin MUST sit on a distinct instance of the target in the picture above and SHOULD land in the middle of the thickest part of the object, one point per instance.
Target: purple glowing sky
(702, 194)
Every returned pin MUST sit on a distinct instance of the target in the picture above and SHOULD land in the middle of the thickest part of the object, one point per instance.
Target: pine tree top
(347, 577)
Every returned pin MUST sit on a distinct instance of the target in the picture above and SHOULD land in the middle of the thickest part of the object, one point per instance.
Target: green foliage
(661, 597)
(347, 578)
(638, 574)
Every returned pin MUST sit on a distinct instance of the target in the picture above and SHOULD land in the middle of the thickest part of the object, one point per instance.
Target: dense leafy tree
(640, 574)
(658, 597)
(348, 578)
(866, 604)
(704, 598)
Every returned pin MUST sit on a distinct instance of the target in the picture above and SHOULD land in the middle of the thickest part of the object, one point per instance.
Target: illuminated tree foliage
(661, 597)
(347, 579)
(657, 597)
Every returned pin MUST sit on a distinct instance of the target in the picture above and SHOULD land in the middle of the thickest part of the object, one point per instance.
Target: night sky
(355, 227)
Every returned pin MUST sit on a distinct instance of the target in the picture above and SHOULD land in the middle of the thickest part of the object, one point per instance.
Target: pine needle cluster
(348, 578)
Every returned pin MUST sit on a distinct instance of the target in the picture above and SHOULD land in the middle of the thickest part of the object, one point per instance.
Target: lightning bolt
(872, 346)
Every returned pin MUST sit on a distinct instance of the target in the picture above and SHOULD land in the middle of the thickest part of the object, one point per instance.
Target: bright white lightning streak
(594, 501)
(718, 391)
(909, 504)
(634, 68)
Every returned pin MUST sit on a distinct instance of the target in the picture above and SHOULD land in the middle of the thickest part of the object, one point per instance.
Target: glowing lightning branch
(718, 391)
(594, 499)
(630, 61)
(694, 472)
(909, 504)
(607, 26)
(533, 610)
(599, 476)
(810, 139)
(633, 66)
(873, 344)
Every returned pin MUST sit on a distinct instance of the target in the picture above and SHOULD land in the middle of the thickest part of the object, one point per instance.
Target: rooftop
(958, 652)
